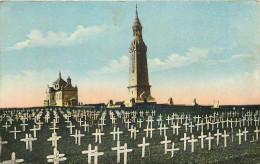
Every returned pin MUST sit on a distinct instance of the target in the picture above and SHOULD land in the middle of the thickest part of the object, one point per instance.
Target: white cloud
(193, 55)
(37, 38)
(240, 56)
(114, 66)
(176, 60)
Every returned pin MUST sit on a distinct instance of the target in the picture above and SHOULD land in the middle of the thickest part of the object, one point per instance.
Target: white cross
(192, 140)
(30, 141)
(164, 128)
(141, 113)
(212, 125)
(101, 125)
(256, 131)
(1, 143)
(159, 120)
(225, 138)
(98, 135)
(147, 131)
(47, 117)
(80, 122)
(34, 131)
(54, 127)
(113, 120)
(257, 121)
(218, 134)
(139, 121)
(6, 126)
(71, 127)
(208, 122)
(133, 118)
(79, 137)
(96, 154)
(173, 149)
(13, 160)
(131, 130)
(118, 148)
(75, 136)
(176, 127)
(26, 140)
(56, 157)
(202, 139)
(186, 125)
(197, 117)
(143, 145)
(15, 131)
(23, 125)
(125, 151)
(168, 119)
(191, 126)
(231, 123)
(227, 122)
(150, 120)
(239, 136)
(165, 142)
(54, 138)
(153, 112)
(198, 124)
(202, 125)
(114, 133)
(134, 131)
(147, 113)
(232, 134)
(245, 132)
(184, 139)
(89, 152)
(39, 124)
(128, 122)
(10, 120)
(118, 133)
(85, 125)
(209, 138)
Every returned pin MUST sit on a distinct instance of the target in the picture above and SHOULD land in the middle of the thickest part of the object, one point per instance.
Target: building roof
(60, 81)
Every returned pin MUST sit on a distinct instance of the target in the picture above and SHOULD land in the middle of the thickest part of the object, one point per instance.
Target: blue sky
(190, 45)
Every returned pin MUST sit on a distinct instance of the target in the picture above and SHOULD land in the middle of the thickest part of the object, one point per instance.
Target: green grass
(247, 152)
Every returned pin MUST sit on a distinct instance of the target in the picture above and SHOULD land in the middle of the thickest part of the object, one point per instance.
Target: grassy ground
(247, 152)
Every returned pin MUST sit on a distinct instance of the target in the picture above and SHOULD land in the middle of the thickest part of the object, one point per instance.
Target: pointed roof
(137, 23)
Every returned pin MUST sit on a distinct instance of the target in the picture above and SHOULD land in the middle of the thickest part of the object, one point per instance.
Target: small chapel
(61, 93)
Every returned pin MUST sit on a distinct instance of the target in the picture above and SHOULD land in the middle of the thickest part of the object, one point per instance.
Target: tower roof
(137, 23)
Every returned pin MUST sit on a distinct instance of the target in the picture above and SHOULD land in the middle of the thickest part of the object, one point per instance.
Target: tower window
(132, 92)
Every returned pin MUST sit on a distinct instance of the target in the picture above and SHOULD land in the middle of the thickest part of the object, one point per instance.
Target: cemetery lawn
(247, 152)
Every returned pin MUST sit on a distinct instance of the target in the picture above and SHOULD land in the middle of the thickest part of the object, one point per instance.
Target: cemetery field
(226, 135)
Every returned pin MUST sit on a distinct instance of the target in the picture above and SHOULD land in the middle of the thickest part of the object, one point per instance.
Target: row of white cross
(123, 149)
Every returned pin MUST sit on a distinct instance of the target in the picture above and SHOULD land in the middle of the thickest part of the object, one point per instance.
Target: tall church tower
(139, 89)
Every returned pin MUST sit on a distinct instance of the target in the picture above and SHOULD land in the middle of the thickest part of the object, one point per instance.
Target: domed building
(61, 93)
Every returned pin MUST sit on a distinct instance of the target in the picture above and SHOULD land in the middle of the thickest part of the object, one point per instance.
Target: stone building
(61, 93)
(139, 89)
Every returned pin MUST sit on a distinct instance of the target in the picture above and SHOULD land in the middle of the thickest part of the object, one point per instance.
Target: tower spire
(137, 23)
(59, 74)
(136, 12)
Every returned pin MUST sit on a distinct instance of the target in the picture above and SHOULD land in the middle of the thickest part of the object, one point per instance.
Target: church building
(61, 93)
(139, 90)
